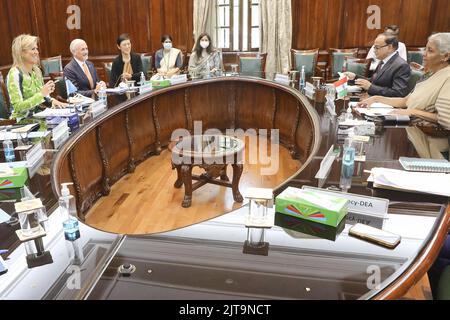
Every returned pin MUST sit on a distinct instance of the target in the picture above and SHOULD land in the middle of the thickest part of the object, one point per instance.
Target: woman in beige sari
(168, 60)
(429, 103)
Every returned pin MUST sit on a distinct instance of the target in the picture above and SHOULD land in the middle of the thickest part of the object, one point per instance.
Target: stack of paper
(432, 183)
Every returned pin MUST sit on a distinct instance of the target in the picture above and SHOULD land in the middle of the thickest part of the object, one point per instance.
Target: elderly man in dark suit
(391, 77)
(80, 71)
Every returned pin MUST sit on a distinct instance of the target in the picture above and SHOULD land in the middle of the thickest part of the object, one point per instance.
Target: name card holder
(309, 90)
(177, 79)
(97, 109)
(35, 158)
(146, 87)
(60, 134)
(282, 79)
(330, 106)
(370, 211)
(325, 166)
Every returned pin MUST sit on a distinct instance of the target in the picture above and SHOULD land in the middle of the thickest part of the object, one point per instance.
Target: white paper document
(423, 182)
(53, 113)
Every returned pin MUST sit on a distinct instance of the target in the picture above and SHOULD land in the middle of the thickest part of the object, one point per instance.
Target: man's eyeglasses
(379, 47)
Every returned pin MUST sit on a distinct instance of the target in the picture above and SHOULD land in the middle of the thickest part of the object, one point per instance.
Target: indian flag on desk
(341, 87)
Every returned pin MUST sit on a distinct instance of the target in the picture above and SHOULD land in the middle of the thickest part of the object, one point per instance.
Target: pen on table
(4, 251)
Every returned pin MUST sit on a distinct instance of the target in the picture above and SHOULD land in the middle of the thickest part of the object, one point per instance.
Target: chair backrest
(360, 67)
(307, 58)
(52, 65)
(252, 64)
(416, 75)
(107, 66)
(147, 63)
(337, 59)
(4, 100)
(415, 55)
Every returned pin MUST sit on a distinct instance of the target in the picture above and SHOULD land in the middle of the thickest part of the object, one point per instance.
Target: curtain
(276, 35)
(205, 19)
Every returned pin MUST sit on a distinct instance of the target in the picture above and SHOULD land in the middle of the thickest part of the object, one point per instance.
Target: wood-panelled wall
(101, 22)
(317, 23)
(343, 23)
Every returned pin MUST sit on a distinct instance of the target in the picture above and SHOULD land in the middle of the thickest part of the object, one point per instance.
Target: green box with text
(312, 206)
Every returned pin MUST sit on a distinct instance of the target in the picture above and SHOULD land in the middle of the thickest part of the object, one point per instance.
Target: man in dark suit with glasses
(391, 77)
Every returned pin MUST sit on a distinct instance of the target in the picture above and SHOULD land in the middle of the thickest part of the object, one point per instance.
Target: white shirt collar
(80, 63)
(386, 60)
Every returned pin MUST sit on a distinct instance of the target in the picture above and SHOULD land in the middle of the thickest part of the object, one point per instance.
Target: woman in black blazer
(128, 65)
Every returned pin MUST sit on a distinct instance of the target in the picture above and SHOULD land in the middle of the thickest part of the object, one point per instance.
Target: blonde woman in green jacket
(26, 87)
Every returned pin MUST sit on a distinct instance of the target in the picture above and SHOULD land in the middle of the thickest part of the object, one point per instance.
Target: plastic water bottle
(68, 211)
(349, 115)
(8, 148)
(102, 96)
(348, 165)
(302, 80)
(142, 82)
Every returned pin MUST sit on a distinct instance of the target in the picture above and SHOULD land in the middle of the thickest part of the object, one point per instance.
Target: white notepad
(432, 183)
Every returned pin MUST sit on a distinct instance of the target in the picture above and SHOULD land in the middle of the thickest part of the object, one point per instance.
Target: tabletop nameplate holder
(370, 211)
(146, 87)
(282, 79)
(325, 166)
(177, 79)
(35, 158)
(60, 134)
(97, 108)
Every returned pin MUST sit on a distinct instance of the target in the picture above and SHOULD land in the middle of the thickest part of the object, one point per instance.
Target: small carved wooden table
(213, 153)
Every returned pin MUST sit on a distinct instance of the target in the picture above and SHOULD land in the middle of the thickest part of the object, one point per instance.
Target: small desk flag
(341, 87)
(70, 87)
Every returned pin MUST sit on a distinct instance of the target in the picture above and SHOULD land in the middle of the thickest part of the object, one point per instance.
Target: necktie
(88, 75)
(378, 70)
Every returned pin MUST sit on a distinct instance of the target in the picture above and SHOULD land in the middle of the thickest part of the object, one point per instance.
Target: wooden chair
(52, 66)
(360, 67)
(307, 58)
(107, 66)
(147, 64)
(336, 61)
(5, 110)
(415, 54)
(252, 64)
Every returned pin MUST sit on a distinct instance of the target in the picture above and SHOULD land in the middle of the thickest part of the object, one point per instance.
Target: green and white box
(312, 206)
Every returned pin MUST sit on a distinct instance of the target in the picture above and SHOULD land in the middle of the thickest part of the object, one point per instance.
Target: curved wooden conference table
(133, 129)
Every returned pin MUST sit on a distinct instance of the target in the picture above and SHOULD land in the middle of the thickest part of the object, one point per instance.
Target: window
(238, 25)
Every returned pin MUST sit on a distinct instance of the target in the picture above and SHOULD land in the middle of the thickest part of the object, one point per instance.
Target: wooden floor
(146, 201)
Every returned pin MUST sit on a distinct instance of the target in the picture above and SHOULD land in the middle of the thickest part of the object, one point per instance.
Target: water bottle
(348, 165)
(68, 211)
(142, 79)
(302, 80)
(349, 115)
(102, 96)
(8, 148)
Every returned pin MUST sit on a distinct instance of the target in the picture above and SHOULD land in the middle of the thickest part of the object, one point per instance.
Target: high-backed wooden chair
(415, 54)
(360, 67)
(107, 66)
(5, 110)
(147, 64)
(336, 61)
(307, 58)
(252, 64)
(52, 66)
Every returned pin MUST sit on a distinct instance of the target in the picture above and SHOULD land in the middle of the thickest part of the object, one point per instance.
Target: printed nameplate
(359, 204)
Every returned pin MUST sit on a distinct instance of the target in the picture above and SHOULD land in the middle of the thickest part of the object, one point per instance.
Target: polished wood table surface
(111, 146)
